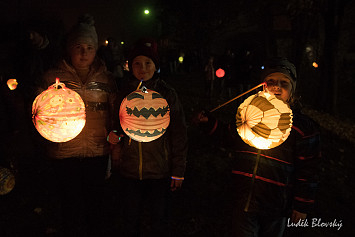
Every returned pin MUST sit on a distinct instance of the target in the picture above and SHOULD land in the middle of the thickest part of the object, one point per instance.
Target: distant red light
(220, 73)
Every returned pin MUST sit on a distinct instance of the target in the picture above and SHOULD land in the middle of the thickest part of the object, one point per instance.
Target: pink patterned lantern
(58, 113)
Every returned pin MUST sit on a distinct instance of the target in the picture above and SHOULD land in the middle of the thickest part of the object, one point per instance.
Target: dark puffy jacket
(98, 93)
(279, 179)
(165, 156)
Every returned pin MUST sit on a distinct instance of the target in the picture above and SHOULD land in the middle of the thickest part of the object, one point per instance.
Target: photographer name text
(316, 222)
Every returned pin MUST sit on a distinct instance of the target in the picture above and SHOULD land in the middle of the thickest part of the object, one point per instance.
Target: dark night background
(305, 31)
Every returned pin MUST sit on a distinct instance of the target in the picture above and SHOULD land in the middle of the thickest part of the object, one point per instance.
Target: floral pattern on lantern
(144, 115)
(7, 181)
(263, 121)
(58, 113)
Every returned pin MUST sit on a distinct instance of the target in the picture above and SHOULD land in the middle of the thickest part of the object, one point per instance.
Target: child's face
(82, 55)
(143, 68)
(280, 85)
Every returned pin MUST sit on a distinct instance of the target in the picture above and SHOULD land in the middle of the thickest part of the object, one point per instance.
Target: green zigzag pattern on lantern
(146, 113)
(146, 134)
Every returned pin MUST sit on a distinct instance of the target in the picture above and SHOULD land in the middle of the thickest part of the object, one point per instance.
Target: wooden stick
(139, 85)
(219, 106)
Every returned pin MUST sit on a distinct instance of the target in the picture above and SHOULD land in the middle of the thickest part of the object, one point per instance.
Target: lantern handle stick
(246, 208)
(219, 106)
(140, 83)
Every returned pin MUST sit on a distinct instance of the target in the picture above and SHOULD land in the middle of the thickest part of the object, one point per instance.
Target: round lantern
(12, 84)
(7, 181)
(264, 121)
(58, 113)
(144, 115)
(220, 73)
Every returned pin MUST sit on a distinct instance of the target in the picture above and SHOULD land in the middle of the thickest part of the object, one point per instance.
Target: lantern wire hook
(58, 83)
(255, 87)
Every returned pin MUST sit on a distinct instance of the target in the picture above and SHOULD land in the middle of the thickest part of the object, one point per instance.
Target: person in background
(113, 57)
(227, 64)
(39, 49)
(38, 46)
(286, 176)
(80, 164)
(209, 77)
(144, 191)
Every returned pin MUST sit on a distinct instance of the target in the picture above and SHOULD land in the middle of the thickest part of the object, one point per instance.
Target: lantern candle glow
(58, 113)
(263, 121)
(144, 115)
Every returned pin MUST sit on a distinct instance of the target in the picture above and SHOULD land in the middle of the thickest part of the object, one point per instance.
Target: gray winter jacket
(98, 93)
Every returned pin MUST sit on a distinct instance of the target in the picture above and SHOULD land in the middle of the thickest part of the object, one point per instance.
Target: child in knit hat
(145, 55)
(81, 45)
(279, 187)
(80, 164)
(280, 77)
(149, 170)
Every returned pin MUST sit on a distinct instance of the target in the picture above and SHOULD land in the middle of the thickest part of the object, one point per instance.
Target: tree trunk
(333, 21)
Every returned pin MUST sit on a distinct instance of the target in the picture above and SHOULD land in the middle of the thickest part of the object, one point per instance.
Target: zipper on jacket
(252, 181)
(140, 160)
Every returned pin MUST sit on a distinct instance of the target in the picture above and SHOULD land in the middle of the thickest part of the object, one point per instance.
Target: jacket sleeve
(177, 135)
(307, 166)
(223, 134)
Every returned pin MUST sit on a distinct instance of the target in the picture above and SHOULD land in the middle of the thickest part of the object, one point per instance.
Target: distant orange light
(12, 84)
(314, 64)
(126, 67)
(220, 73)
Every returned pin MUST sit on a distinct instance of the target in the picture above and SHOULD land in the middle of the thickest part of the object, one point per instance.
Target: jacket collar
(150, 84)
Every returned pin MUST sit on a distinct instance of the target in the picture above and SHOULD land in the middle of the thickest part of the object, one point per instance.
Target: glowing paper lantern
(58, 113)
(220, 73)
(12, 84)
(7, 181)
(144, 115)
(263, 121)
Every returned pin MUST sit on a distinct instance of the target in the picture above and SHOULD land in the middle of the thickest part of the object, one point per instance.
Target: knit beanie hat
(280, 64)
(144, 47)
(83, 31)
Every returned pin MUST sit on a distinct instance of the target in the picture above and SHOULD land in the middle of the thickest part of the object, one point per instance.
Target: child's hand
(296, 216)
(199, 117)
(113, 138)
(175, 184)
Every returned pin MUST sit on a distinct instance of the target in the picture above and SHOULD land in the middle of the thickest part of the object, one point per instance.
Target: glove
(199, 117)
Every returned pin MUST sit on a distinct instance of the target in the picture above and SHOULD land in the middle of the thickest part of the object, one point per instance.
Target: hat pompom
(86, 19)
(84, 30)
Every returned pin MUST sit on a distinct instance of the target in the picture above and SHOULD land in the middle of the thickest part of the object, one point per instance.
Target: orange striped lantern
(144, 115)
(58, 113)
(7, 181)
(264, 121)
